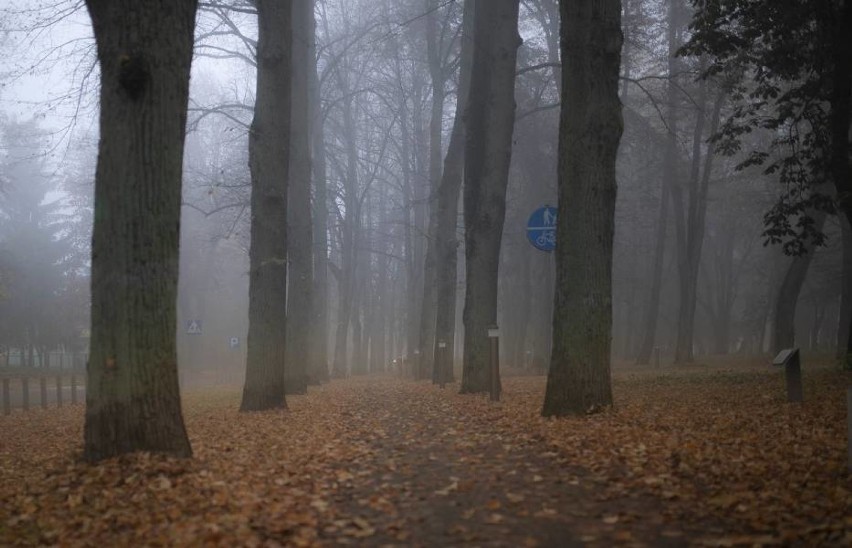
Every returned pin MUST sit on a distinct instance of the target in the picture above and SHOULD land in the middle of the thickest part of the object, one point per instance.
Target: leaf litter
(701, 458)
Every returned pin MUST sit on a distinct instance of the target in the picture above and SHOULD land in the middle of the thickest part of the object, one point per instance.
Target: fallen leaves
(712, 458)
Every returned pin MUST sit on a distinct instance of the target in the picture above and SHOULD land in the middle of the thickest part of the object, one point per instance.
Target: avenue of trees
(348, 182)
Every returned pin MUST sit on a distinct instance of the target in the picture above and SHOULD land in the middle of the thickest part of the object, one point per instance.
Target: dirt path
(431, 476)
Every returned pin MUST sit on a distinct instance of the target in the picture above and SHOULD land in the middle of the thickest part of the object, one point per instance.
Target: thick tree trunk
(488, 150)
(269, 154)
(840, 119)
(589, 133)
(446, 239)
(132, 397)
(300, 239)
(844, 328)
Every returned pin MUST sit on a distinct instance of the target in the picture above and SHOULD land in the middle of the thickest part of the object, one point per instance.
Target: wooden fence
(53, 384)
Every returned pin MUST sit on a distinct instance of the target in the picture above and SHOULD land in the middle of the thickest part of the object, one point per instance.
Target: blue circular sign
(541, 228)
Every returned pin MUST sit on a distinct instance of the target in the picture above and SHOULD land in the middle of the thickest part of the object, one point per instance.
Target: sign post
(541, 228)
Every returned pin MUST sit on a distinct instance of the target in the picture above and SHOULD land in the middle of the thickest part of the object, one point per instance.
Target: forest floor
(708, 455)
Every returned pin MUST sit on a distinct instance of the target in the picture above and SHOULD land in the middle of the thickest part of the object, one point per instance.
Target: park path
(437, 469)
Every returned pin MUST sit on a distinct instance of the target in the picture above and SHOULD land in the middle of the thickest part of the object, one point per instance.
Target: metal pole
(849, 428)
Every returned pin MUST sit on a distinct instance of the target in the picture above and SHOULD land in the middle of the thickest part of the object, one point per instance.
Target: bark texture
(590, 129)
(488, 150)
(269, 153)
(132, 398)
(299, 229)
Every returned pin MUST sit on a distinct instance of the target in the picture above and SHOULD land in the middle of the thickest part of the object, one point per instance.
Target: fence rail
(53, 384)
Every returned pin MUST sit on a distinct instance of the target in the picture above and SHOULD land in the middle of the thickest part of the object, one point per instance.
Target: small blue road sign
(541, 228)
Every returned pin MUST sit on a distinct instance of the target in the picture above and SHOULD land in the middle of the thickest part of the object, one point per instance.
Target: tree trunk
(784, 329)
(132, 397)
(446, 240)
(299, 256)
(844, 329)
(589, 132)
(488, 150)
(319, 325)
(269, 154)
(840, 119)
(428, 307)
(670, 174)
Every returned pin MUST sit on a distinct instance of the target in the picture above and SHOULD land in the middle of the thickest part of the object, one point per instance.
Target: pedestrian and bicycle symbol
(541, 228)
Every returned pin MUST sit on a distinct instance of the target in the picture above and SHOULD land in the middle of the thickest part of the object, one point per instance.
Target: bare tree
(589, 133)
(490, 120)
(133, 399)
(269, 154)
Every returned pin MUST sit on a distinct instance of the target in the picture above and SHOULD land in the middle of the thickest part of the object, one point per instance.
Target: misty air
(521, 273)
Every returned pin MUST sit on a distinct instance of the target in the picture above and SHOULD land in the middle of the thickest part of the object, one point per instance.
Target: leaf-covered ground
(701, 457)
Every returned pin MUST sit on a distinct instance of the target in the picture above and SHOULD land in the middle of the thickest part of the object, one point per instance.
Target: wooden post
(59, 389)
(7, 401)
(42, 384)
(494, 338)
(25, 382)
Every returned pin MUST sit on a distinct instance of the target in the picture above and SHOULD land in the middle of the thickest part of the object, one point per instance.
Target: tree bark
(132, 397)
(319, 325)
(488, 150)
(589, 132)
(784, 328)
(446, 239)
(429, 306)
(269, 155)
(299, 250)
(844, 329)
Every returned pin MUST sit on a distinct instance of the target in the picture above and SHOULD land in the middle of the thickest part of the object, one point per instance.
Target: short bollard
(789, 359)
(25, 395)
(440, 363)
(494, 338)
(73, 389)
(7, 402)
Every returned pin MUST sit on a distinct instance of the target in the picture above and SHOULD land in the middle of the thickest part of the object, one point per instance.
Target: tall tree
(269, 155)
(488, 150)
(132, 399)
(446, 238)
(299, 231)
(589, 132)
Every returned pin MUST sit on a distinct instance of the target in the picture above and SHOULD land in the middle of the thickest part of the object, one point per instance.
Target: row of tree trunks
(589, 133)
(490, 121)
(269, 153)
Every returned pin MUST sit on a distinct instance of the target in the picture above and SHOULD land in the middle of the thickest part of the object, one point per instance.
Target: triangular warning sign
(193, 327)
